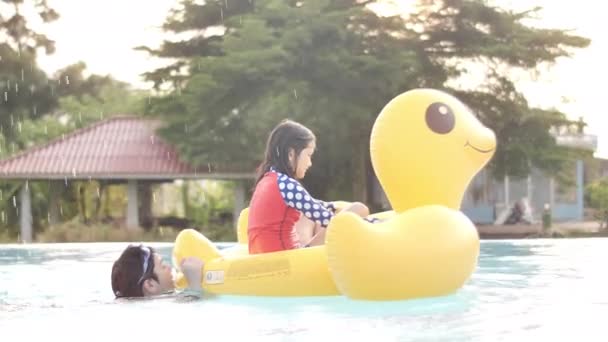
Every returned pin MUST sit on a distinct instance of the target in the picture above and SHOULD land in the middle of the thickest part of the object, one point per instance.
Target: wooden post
(132, 205)
(25, 213)
(54, 196)
(239, 201)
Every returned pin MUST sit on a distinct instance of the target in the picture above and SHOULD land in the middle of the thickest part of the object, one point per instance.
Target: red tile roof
(116, 148)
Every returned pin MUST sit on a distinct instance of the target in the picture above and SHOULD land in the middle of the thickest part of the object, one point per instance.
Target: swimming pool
(522, 289)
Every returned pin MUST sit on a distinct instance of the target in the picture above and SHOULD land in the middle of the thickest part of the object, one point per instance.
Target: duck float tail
(426, 146)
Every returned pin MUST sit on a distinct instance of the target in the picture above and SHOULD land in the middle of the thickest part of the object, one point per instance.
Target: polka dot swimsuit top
(296, 197)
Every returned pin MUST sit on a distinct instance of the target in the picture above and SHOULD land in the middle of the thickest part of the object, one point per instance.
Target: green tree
(333, 65)
(25, 90)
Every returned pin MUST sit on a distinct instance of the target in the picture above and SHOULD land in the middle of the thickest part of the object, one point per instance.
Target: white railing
(585, 141)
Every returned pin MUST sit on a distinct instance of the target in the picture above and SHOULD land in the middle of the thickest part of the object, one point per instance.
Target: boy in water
(141, 272)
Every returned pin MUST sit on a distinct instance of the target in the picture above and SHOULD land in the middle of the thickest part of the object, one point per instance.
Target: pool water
(523, 289)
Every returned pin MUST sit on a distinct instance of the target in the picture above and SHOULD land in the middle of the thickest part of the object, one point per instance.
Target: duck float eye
(440, 118)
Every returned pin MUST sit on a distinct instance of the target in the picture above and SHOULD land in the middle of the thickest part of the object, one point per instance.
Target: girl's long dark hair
(285, 136)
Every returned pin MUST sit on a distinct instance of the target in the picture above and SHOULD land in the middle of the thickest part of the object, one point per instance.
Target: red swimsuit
(276, 206)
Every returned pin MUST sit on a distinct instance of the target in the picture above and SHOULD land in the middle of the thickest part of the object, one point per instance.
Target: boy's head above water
(139, 272)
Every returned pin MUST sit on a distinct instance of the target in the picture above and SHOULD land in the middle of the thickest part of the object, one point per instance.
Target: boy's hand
(192, 268)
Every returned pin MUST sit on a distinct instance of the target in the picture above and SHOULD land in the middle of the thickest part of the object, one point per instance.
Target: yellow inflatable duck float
(426, 146)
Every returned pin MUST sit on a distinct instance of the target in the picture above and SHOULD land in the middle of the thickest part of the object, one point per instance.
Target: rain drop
(5, 96)
(19, 126)
(46, 129)
(65, 179)
(222, 13)
(80, 117)
(73, 172)
(35, 110)
(14, 201)
(295, 94)
(98, 193)
(61, 209)
(22, 75)
(16, 87)
(3, 217)
(0, 194)
(226, 2)
(154, 197)
(12, 121)
(27, 185)
(67, 80)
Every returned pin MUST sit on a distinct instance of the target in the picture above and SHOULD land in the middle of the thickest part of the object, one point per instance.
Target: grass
(77, 232)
